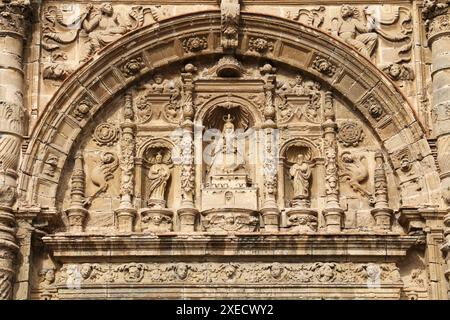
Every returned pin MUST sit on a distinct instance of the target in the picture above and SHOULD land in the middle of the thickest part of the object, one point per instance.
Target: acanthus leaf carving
(15, 16)
(230, 13)
(307, 92)
(106, 134)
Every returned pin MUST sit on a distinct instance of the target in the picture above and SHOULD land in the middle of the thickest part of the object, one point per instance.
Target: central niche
(229, 197)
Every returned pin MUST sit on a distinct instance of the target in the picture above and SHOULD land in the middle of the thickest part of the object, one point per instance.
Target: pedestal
(383, 218)
(230, 220)
(271, 218)
(156, 220)
(125, 219)
(76, 217)
(334, 219)
(187, 218)
(301, 220)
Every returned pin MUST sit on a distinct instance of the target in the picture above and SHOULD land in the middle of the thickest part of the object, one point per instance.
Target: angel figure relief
(363, 33)
(158, 177)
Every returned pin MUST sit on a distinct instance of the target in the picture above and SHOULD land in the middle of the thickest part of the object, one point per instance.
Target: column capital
(15, 17)
(437, 20)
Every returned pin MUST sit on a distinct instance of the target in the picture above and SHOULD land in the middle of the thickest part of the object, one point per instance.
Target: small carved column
(437, 21)
(14, 19)
(270, 211)
(333, 213)
(187, 213)
(76, 214)
(126, 212)
(382, 214)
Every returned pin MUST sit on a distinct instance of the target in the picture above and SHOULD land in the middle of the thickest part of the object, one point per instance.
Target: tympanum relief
(268, 149)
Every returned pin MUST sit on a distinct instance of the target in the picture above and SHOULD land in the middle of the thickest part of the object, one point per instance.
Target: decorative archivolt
(105, 72)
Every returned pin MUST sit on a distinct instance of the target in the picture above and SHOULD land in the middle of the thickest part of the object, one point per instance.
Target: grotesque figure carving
(354, 170)
(102, 174)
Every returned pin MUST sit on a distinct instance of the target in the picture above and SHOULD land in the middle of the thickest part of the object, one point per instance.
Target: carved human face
(182, 270)
(134, 272)
(276, 270)
(429, 4)
(230, 271)
(158, 158)
(298, 80)
(323, 66)
(228, 196)
(300, 158)
(346, 11)
(86, 270)
(50, 276)
(157, 220)
(158, 79)
(405, 165)
(395, 71)
(107, 9)
(229, 220)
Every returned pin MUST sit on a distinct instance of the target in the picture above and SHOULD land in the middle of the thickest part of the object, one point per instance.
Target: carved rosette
(333, 213)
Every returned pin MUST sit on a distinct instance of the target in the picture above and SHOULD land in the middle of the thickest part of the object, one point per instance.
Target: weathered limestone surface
(176, 149)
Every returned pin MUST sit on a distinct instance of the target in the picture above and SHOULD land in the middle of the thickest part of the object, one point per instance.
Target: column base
(271, 218)
(301, 220)
(187, 218)
(383, 218)
(76, 217)
(125, 219)
(334, 219)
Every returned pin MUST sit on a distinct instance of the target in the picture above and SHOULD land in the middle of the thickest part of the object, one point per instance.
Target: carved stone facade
(228, 149)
